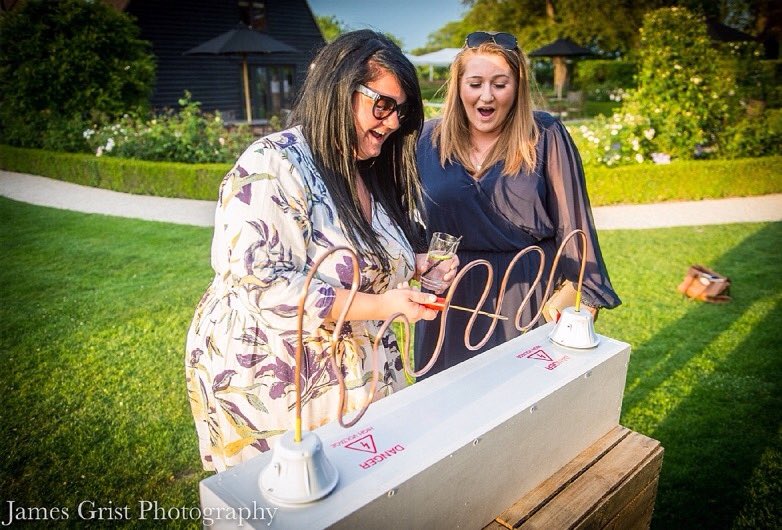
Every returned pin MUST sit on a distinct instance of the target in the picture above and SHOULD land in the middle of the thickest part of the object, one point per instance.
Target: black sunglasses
(506, 40)
(383, 105)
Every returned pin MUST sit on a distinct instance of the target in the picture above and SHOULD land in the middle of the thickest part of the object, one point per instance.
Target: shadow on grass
(713, 399)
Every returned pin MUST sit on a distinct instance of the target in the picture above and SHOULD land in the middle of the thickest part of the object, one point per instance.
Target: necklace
(478, 157)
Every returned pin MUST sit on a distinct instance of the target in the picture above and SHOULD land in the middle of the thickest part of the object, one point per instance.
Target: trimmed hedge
(598, 73)
(163, 179)
(635, 184)
(684, 180)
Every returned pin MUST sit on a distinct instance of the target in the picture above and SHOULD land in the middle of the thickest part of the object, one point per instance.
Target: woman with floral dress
(344, 175)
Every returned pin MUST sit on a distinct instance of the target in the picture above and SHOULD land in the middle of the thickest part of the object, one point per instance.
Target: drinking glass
(442, 248)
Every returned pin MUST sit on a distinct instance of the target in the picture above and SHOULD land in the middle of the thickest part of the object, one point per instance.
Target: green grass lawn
(94, 312)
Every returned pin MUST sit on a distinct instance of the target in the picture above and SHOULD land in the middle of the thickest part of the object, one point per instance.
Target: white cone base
(575, 329)
(298, 472)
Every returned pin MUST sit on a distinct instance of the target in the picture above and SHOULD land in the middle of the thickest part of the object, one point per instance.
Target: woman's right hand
(408, 301)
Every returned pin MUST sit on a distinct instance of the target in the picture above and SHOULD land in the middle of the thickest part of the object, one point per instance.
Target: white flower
(109, 144)
(88, 133)
(221, 140)
(639, 157)
(696, 80)
(99, 151)
(649, 133)
(677, 67)
(661, 158)
(614, 132)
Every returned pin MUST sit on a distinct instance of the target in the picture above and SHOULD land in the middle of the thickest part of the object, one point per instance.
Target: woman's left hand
(421, 266)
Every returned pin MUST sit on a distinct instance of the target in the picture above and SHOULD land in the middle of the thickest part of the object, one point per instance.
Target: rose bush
(185, 136)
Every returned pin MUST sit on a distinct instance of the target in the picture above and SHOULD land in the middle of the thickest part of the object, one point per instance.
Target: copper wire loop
(498, 305)
(335, 354)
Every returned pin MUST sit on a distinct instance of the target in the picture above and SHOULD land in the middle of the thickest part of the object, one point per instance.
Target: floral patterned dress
(274, 219)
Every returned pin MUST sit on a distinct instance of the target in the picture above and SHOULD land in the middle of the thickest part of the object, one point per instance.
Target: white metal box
(454, 450)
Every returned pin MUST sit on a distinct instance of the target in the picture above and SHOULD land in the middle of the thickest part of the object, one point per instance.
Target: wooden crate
(612, 484)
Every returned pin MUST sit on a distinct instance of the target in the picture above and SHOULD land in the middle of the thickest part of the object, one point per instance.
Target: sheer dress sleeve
(568, 208)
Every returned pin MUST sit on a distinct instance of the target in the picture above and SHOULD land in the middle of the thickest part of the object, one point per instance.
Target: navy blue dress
(497, 216)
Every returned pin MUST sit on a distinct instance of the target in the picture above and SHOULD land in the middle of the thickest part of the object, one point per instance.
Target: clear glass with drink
(442, 249)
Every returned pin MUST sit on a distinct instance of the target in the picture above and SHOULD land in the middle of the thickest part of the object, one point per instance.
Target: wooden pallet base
(612, 484)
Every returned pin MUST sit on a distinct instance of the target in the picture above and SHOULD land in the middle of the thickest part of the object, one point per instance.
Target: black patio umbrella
(722, 33)
(242, 41)
(559, 50)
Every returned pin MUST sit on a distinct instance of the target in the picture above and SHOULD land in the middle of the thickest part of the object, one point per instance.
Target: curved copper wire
(335, 356)
(354, 285)
(553, 271)
(375, 371)
(444, 319)
(333, 346)
(498, 304)
(535, 282)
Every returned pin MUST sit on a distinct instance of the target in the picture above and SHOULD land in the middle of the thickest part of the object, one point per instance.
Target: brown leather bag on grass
(705, 285)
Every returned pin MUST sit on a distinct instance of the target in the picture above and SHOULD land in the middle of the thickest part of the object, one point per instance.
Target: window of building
(253, 14)
(272, 91)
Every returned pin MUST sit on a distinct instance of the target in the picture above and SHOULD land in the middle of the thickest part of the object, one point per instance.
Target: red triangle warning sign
(365, 443)
(540, 355)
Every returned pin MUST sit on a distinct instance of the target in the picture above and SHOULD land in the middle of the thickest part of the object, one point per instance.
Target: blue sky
(410, 20)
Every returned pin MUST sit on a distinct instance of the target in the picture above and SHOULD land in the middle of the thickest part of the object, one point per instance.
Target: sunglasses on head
(383, 106)
(505, 40)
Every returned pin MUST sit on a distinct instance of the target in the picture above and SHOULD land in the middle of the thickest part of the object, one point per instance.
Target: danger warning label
(366, 444)
(539, 354)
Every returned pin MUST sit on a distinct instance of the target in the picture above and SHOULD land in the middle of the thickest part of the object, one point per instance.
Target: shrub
(753, 136)
(684, 180)
(64, 61)
(680, 89)
(639, 183)
(694, 99)
(164, 179)
(185, 136)
(600, 79)
(624, 138)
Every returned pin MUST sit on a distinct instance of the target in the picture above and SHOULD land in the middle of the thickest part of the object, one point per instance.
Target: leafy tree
(609, 26)
(61, 62)
(330, 26)
(451, 35)
(396, 40)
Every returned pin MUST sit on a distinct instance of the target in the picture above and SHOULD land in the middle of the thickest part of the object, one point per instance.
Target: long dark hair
(325, 113)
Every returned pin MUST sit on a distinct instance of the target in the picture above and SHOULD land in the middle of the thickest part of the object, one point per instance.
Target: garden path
(65, 195)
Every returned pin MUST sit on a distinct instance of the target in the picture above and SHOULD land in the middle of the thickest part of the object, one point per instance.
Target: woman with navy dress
(503, 177)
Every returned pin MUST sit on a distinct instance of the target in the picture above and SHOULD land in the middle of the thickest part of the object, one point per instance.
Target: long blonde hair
(519, 135)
